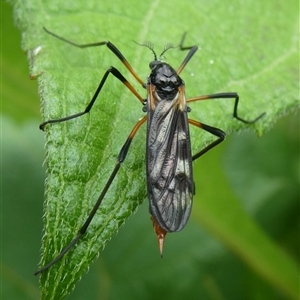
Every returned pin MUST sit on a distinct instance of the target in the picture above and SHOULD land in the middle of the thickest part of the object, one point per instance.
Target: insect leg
(192, 51)
(227, 96)
(213, 130)
(111, 47)
(114, 72)
(81, 232)
(181, 43)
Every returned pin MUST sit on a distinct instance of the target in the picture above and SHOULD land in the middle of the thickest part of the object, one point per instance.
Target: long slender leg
(114, 72)
(213, 130)
(226, 96)
(111, 47)
(182, 48)
(192, 51)
(81, 232)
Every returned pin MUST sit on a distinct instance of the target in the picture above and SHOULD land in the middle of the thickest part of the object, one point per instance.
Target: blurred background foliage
(262, 174)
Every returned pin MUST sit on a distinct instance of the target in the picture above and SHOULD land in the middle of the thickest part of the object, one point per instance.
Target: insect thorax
(165, 79)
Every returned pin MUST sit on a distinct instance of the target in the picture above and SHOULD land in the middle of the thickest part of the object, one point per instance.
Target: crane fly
(169, 158)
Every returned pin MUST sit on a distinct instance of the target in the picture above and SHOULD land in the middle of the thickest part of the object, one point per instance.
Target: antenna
(149, 46)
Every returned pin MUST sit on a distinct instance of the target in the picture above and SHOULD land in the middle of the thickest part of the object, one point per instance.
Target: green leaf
(19, 96)
(251, 49)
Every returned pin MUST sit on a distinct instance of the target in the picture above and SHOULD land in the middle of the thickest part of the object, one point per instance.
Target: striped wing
(169, 162)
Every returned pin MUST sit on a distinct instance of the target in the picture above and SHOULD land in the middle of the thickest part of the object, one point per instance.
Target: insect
(169, 169)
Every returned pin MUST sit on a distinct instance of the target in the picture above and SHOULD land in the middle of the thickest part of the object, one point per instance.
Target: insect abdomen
(169, 166)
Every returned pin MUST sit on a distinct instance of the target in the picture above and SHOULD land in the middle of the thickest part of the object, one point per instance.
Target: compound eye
(153, 64)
